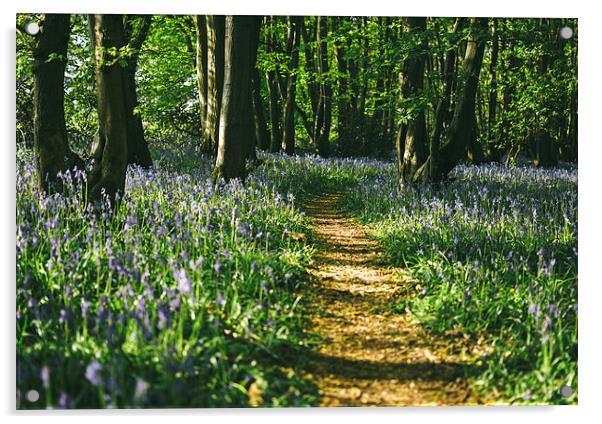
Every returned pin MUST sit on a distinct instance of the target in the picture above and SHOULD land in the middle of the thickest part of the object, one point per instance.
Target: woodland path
(371, 356)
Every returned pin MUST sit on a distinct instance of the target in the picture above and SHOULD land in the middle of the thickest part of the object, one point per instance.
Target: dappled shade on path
(370, 355)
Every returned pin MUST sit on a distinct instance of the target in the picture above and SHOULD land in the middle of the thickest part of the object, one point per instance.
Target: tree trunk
(262, 135)
(545, 152)
(288, 135)
(200, 24)
(443, 105)
(215, 79)
(53, 154)
(412, 79)
(138, 152)
(456, 140)
(545, 149)
(354, 122)
(274, 112)
(572, 136)
(309, 41)
(234, 137)
(110, 148)
(363, 74)
(273, 93)
(252, 123)
(476, 155)
(342, 102)
(324, 110)
(507, 94)
(493, 76)
(377, 123)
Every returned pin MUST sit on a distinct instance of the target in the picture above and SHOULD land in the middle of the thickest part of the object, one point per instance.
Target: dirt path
(372, 356)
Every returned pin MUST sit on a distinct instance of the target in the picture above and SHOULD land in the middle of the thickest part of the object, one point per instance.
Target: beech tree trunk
(288, 134)
(138, 152)
(252, 124)
(342, 102)
(323, 117)
(234, 134)
(110, 150)
(273, 93)
(378, 118)
(215, 80)
(493, 76)
(546, 152)
(572, 135)
(456, 141)
(443, 104)
(476, 153)
(262, 136)
(507, 98)
(309, 40)
(411, 78)
(360, 110)
(200, 25)
(53, 154)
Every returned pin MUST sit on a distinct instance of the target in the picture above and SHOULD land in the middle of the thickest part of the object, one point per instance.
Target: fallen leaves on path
(372, 356)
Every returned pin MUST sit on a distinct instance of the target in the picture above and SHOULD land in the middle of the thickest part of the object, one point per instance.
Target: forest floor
(372, 355)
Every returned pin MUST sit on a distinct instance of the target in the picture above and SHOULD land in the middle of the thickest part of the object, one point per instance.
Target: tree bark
(262, 135)
(53, 154)
(138, 152)
(252, 123)
(443, 104)
(476, 155)
(546, 152)
(110, 150)
(507, 100)
(234, 134)
(364, 64)
(572, 135)
(200, 24)
(309, 41)
(273, 93)
(412, 80)
(342, 102)
(288, 136)
(493, 76)
(455, 146)
(215, 80)
(323, 111)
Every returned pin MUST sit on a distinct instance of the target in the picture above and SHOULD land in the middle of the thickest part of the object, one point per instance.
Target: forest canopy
(336, 86)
